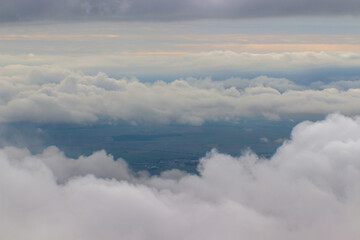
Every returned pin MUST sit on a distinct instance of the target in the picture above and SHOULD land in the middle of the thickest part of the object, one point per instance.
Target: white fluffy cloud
(53, 94)
(310, 189)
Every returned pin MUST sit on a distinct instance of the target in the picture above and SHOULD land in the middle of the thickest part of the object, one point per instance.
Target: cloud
(280, 84)
(52, 94)
(165, 10)
(211, 62)
(341, 84)
(308, 189)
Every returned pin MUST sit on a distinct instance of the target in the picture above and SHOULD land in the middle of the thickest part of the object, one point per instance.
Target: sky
(86, 71)
(162, 62)
(170, 10)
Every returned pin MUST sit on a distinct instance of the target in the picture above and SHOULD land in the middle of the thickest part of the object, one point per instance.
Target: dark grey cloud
(164, 10)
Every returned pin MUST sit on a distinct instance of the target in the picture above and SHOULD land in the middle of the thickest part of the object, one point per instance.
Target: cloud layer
(164, 10)
(309, 189)
(53, 94)
(133, 64)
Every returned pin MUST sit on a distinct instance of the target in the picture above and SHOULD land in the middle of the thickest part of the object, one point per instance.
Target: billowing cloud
(309, 189)
(163, 10)
(53, 94)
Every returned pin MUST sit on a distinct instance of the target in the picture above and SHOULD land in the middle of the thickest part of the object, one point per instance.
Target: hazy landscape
(154, 148)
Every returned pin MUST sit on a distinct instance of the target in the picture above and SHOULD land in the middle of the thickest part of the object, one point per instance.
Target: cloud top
(308, 189)
(165, 10)
(52, 94)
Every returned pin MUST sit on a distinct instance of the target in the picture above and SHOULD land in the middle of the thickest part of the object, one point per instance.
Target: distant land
(154, 148)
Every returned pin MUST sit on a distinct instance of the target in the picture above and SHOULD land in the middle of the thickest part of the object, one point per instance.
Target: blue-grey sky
(165, 10)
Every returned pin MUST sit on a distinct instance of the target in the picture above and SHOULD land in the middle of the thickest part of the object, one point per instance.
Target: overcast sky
(165, 10)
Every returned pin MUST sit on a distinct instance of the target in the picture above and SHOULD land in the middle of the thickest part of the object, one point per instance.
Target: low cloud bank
(53, 94)
(310, 189)
(148, 63)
